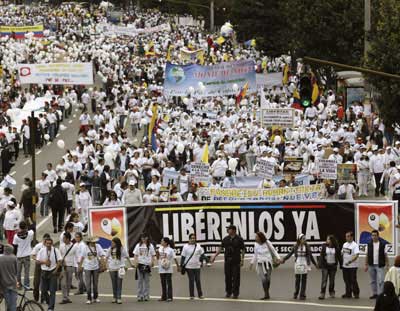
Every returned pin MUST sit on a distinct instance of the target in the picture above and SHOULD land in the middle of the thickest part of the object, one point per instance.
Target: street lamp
(211, 8)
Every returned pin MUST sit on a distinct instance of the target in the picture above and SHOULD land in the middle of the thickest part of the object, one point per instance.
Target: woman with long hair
(265, 258)
(388, 300)
(330, 257)
(116, 259)
(112, 199)
(302, 264)
(393, 275)
(166, 257)
(144, 260)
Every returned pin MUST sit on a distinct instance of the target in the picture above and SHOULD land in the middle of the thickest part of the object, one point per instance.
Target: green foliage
(384, 55)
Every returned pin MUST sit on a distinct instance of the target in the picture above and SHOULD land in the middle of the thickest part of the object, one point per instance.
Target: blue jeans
(44, 208)
(377, 276)
(116, 282)
(10, 296)
(49, 287)
(24, 262)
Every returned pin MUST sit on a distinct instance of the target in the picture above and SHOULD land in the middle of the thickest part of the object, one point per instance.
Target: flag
(250, 43)
(242, 93)
(315, 90)
(220, 40)
(285, 78)
(152, 125)
(200, 57)
(169, 50)
(204, 157)
(296, 100)
(150, 51)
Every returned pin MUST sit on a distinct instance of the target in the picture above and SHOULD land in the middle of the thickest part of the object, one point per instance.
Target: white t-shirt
(24, 245)
(69, 259)
(113, 263)
(144, 253)
(44, 254)
(166, 254)
(91, 256)
(330, 255)
(376, 253)
(194, 262)
(349, 250)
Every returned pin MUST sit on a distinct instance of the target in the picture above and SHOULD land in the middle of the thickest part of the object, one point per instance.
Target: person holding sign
(302, 264)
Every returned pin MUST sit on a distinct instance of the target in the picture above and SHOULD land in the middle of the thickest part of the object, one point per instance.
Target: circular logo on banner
(24, 71)
(176, 75)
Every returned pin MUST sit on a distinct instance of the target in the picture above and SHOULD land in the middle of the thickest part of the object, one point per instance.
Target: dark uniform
(233, 248)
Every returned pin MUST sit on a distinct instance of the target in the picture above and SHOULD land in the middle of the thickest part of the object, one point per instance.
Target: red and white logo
(24, 71)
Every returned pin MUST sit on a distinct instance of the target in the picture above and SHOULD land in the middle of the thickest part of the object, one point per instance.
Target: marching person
(92, 256)
(166, 256)
(387, 300)
(50, 259)
(58, 203)
(145, 256)
(12, 219)
(350, 253)
(234, 248)
(38, 269)
(330, 257)
(68, 252)
(191, 263)
(80, 247)
(265, 258)
(23, 240)
(375, 263)
(116, 257)
(302, 264)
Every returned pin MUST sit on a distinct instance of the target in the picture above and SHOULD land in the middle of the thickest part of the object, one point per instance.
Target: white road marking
(70, 121)
(49, 143)
(26, 162)
(39, 152)
(43, 221)
(13, 173)
(281, 302)
(74, 116)
(58, 135)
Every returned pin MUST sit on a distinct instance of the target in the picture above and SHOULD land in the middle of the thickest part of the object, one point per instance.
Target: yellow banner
(35, 28)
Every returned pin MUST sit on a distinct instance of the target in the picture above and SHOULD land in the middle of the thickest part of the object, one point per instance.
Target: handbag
(183, 267)
(121, 272)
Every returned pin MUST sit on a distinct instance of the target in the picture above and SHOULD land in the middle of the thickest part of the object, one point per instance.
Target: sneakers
(332, 295)
(114, 301)
(191, 298)
(97, 300)
(65, 301)
(373, 297)
(89, 302)
(119, 301)
(321, 297)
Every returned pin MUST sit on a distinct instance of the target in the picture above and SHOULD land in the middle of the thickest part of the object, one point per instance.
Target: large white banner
(56, 73)
(283, 117)
(327, 169)
(110, 30)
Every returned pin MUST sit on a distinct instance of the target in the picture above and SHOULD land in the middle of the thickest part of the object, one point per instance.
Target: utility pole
(32, 132)
(367, 29)
(211, 15)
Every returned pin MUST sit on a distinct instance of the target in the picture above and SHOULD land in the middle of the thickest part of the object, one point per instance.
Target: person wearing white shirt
(50, 259)
(191, 261)
(144, 260)
(91, 256)
(68, 252)
(350, 253)
(12, 219)
(166, 256)
(346, 191)
(116, 259)
(23, 240)
(38, 269)
(375, 263)
(219, 167)
(335, 156)
(377, 166)
(80, 247)
(155, 185)
(83, 201)
(43, 186)
(264, 258)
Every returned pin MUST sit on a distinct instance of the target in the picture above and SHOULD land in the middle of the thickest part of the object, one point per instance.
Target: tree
(384, 55)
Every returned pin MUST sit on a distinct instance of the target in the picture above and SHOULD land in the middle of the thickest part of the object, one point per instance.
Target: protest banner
(376, 216)
(107, 224)
(199, 174)
(300, 193)
(221, 79)
(346, 173)
(282, 222)
(56, 73)
(265, 168)
(110, 30)
(18, 32)
(169, 178)
(191, 56)
(282, 117)
(261, 81)
(292, 165)
(327, 169)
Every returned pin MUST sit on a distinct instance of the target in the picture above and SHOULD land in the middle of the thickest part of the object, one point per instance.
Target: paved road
(213, 287)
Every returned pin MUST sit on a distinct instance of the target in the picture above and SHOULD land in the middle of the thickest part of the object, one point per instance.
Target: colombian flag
(152, 127)
(315, 90)
(296, 100)
(204, 157)
(285, 78)
(242, 93)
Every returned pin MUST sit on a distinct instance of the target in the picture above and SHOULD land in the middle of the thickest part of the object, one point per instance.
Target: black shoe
(73, 287)
(65, 302)
(302, 297)
(357, 296)
(346, 296)
(235, 297)
(373, 297)
(294, 296)
(228, 295)
(55, 230)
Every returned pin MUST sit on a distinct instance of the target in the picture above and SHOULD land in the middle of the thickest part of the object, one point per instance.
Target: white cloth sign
(327, 169)
(282, 117)
(265, 168)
